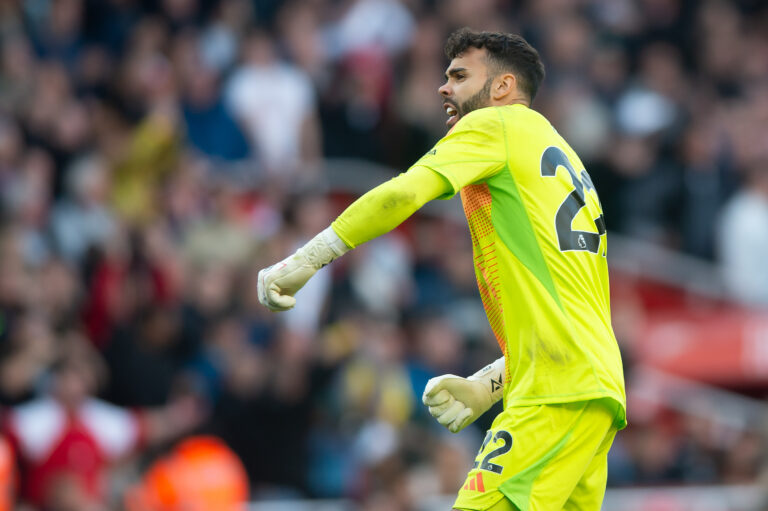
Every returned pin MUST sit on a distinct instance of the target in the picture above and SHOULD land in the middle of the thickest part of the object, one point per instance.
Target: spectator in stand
(57, 34)
(210, 127)
(83, 221)
(68, 439)
(30, 350)
(707, 180)
(17, 76)
(355, 112)
(364, 24)
(27, 199)
(302, 34)
(266, 92)
(743, 238)
(174, 482)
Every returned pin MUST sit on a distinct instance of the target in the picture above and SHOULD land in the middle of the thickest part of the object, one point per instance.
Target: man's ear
(504, 85)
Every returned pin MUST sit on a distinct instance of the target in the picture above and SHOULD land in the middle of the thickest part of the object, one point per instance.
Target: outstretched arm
(375, 213)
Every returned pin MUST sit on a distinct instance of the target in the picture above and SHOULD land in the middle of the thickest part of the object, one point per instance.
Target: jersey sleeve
(388, 205)
(472, 152)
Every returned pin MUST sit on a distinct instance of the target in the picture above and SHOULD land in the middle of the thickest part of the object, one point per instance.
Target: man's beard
(480, 99)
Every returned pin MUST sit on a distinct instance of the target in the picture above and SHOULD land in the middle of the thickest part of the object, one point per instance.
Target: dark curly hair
(506, 52)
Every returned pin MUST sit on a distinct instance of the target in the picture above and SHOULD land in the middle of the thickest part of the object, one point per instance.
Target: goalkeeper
(539, 243)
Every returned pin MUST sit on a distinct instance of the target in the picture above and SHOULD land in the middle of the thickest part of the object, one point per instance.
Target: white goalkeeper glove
(278, 283)
(457, 402)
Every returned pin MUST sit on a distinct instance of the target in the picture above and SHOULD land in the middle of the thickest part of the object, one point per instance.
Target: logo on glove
(496, 384)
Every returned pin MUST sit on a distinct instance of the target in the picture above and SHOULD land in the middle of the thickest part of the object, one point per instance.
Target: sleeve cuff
(335, 227)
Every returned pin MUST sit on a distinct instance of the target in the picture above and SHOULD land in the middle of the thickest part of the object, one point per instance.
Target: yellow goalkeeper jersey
(539, 242)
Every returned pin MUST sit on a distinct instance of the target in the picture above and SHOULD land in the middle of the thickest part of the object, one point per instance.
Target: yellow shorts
(542, 458)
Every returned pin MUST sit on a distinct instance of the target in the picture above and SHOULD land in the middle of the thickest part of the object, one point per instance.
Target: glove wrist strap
(492, 378)
(323, 248)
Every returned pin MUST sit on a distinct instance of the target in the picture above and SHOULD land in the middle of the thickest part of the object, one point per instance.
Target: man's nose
(444, 90)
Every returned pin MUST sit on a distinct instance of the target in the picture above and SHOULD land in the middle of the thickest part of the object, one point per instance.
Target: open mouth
(452, 112)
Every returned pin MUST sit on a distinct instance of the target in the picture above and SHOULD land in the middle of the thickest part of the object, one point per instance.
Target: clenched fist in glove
(457, 402)
(278, 283)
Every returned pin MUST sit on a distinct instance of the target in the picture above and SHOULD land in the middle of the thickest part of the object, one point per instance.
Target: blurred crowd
(154, 155)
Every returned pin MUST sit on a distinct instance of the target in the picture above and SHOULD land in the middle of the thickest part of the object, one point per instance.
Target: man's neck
(510, 101)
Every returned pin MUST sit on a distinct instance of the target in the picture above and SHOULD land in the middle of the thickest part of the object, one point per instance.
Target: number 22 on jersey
(569, 239)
